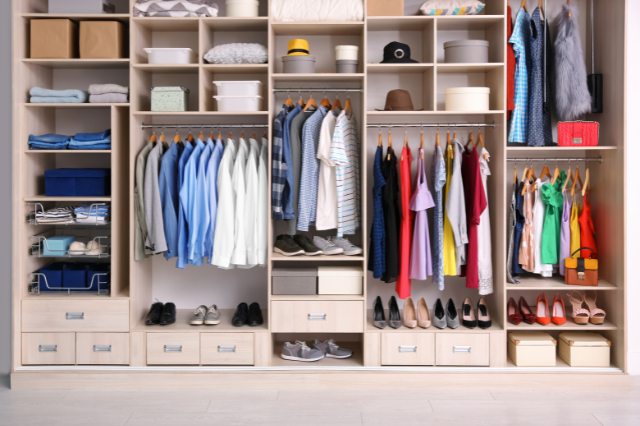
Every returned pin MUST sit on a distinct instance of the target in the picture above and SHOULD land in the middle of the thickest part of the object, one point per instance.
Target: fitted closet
(99, 339)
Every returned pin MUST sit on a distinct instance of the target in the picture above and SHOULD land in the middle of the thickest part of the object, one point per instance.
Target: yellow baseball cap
(298, 47)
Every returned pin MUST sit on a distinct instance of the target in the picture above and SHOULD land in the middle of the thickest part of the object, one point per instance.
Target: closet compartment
(417, 79)
(417, 32)
(48, 348)
(490, 76)
(75, 315)
(59, 243)
(407, 349)
(166, 32)
(173, 349)
(102, 348)
(43, 7)
(351, 341)
(226, 348)
(466, 28)
(158, 78)
(462, 349)
(217, 32)
(244, 104)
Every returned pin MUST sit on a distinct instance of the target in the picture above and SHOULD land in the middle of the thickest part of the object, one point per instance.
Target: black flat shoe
(378, 314)
(241, 317)
(254, 318)
(153, 317)
(168, 314)
(395, 321)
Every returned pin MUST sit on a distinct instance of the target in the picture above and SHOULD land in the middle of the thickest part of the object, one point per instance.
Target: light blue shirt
(168, 183)
(188, 193)
(200, 207)
(212, 178)
(183, 226)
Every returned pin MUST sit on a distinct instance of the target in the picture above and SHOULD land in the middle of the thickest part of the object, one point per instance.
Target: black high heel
(395, 321)
(378, 314)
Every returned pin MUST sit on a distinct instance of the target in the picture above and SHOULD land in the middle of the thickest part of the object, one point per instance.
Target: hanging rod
(202, 126)
(305, 90)
(444, 125)
(551, 159)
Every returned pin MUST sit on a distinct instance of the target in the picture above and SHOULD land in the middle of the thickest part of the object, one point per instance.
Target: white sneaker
(327, 246)
(345, 244)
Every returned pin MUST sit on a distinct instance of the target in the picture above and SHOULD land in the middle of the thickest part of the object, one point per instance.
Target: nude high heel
(579, 314)
(424, 318)
(409, 314)
(596, 314)
(559, 316)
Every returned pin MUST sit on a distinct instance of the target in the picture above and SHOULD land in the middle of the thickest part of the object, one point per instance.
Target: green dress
(552, 196)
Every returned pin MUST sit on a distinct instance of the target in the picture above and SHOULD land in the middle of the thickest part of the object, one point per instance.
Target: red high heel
(559, 313)
(528, 316)
(513, 313)
(542, 310)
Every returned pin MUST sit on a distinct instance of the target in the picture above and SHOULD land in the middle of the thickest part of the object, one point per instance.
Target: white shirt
(539, 209)
(263, 193)
(327, 204)
(224, 240)
(485, 268)
(239, 256)
(251, 205)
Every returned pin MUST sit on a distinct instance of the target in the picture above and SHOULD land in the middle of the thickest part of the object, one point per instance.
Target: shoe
(578, 313)
(409, 314)
(542, 310)
(241, 317)
(559, 316)
(484, 317)
(327, 247)
(309, 248)
(439, 319)
(596, 315)
(331, 350)
(453, 321)
(254, 318)
(286, 246)
(513, 313)
(394, 313)
(345, 244)
(527, 316)
(153, 316)
(198, 315)
(378, 314)
(168, 314)
(212, 317)
(300, 352)
(424, 319)
(468, 315)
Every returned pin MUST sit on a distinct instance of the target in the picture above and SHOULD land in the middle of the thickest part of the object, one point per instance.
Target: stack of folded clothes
(47, 96)
(175, 8)
(108, 94)
(92, 213)
(58, 215)
(100, 140)
(49, 141)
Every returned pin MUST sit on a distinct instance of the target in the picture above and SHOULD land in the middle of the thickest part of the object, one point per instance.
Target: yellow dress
(450, 266)
(574, 225)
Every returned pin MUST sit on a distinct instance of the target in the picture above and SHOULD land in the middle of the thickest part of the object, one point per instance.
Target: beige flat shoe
(424, 319)
(409, 314)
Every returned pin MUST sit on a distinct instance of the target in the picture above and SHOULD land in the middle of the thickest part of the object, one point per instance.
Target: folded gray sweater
(101, 89)
(109, 98)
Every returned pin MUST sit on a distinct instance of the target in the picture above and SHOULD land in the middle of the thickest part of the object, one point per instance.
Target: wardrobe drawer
(407, 349)
(75, 315)
(226, 348)
(317, 316)
(102, 348)
(173, 348)
(462, 349)
(48, 348)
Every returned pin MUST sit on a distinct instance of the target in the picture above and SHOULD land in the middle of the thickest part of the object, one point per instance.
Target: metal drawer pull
(102, 348)
(462, 349)
(317, 317)
(407, 348)
(48, 348)
(226, 348)
(173, 348)
(75, 315)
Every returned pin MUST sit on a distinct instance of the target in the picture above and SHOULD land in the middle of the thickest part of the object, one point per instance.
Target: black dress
(392, 216)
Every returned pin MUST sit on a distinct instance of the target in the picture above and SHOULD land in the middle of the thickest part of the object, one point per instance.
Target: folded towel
(71, 96)
(49, 138)
(175, 8)
(89, 137)
(101, 89)
(109, 98)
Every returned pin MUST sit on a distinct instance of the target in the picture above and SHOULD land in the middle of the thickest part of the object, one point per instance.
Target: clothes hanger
(438, 136)
(176, 139)
(336, 104)
(576, 181)
(515, 173)
(523, 4)
(347, 105)
(421, 143)
(481, 142)
(241, 132)
(540, 2)
(390, 146)
(470, 141)
(201, 135)
(219, 133)
(569, 2)
(153, 139)
(211, 134)
(556, 174)
(325, 102)
(189, 136)
(569, 177)
(379, 137)
(545, 172)
(162, 138)
(587, 181)
(449, 146)
(230, 132)
(288, 102)
(406, 142)
(300, 101)
(525, 172)
(531, 177)
(310, 103)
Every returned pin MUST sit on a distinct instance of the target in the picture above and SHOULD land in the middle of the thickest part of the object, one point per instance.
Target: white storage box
(81, 6)
(239, 88)
(239, 103)
(349, 53)
(340, 279)
(169, 98)
(580, 349)
(532, 349)
(242, 8)
(171, 55)
(467, 98)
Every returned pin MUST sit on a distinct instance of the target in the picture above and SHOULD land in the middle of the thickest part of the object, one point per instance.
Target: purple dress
(565, 231)
(420, 266)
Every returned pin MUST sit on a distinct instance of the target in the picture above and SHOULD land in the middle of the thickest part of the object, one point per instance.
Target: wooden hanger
(310, 103)
(189, 137)
(470, 141)
(325, 102)
(300, 101)
(481, 142)
(201, 135)
(450, 149)
(211, 134)
(437, 139)
(575, 182)
(153, 139)
(289, 101)
(219, 133)
(347, 106)
(523, 4)
(176, 139)
(556, 175)
(421, 144)
(545, 172)
(569, 177)
(336, 104)
(515, 174)
(524, 173)
(406, 138)
(390, 146)
(587, 182)
(569, 2)
(380, 140)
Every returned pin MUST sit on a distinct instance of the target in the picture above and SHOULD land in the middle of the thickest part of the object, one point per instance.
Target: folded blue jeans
(91, 137)
(97, 147)
(43, 146)
(49, 137)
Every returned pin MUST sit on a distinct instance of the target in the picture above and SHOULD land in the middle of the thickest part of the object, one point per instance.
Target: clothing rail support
(305, 90)
(455, 125)
(557, 159)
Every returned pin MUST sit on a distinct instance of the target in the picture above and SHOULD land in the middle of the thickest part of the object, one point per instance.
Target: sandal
(580, 315)
(596, 314)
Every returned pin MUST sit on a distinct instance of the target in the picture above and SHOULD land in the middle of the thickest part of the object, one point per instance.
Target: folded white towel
(101, 89)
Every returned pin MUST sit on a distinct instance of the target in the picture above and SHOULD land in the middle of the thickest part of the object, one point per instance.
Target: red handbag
(578, 133)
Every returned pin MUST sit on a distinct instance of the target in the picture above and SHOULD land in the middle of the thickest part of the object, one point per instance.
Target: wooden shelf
(214, 113)
(555, 283)
(318, 28)
(260, 23)
(74, 105)
(399, 23)
(466, 68)
(316, 297)
(495, 326)
(560, 148)
(168, 24)
(319, 258)
(80, 63)
(563, 366)
(236, 68)
(318, 77)
(569, 325)
(168, 68)
(468, 22)
(67, 151)
(331, 363)
(397, 68)
(182, 324)
(76, 199)
(122, 17)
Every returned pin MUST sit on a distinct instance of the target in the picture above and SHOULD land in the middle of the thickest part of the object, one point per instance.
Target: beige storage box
(101, 40)
(580, 349)
(340, 279)
(532, 349)
(385, 8)
(53, 39)
(467, 98)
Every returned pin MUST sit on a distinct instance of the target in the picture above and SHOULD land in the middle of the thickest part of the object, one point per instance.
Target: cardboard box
(579, 349)
(53, 39)
(101, 40)
(532, 349)
(340, 280)
(385, 8)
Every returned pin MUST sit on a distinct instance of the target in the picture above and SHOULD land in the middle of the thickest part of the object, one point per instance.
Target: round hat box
(242, 8)
(300, 64)
(347, 53)
(466, 52)
(467, 99)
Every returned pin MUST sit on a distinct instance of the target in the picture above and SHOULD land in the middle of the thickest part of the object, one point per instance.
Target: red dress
(511, 68)
(403, 285)
(587, 231)
(475, 203)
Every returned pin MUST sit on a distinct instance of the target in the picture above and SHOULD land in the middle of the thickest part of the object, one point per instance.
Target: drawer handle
(226, 348)
(48, 348)
(173, 348)
(407, 348)
(75, 315)
(317, 317)
(102, 348)
(462, 349)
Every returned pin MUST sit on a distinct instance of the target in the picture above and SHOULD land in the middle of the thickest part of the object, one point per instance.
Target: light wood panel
(462, 349)
(93, 315)
(316, 317)
(48, 348)
(407, 349)
(173, 348)
(102, 348)
(372, 349)
(226, 348)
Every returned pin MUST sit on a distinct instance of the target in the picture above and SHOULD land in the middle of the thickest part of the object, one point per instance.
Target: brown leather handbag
(581, 271)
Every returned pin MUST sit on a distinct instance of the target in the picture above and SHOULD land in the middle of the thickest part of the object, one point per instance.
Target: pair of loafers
(161, 313)
(247, 315)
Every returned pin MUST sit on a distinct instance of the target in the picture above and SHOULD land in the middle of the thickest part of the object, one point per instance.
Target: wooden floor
(320, 408)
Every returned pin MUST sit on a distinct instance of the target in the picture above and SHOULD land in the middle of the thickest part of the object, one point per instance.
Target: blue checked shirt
(278, 166)
(377, 263)
(520, 39)
(287, 194)
(439, 179)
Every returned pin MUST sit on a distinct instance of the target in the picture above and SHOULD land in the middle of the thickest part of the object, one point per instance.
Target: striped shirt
(278, 166)
(520, 40)
(345, 153)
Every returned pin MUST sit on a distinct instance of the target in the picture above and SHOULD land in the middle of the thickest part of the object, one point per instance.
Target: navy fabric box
(75, 276)
(53, 275)
(77, 182)
(101, 281)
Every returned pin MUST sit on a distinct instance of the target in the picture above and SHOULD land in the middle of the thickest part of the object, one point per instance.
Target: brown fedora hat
(398, 100)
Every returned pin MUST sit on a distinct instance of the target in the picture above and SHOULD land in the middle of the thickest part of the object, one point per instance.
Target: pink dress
(420, 265)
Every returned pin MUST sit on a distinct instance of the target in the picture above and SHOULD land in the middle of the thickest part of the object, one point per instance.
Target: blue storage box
(57, 245)
(101, 281)
(53, 275)
(77, 182)
(75, 276)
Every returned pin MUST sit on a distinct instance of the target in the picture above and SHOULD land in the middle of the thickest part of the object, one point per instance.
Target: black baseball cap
(397, 53)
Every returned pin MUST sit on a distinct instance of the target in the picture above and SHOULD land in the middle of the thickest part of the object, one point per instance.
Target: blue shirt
(212, 178)
(183, 227)
(188, 193)
(278, 166)
(287, 194)
(169, 187)
(200, 207)
(520, 39)
(377, 258)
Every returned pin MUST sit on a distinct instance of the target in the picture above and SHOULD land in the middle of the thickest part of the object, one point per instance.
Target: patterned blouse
(439, 178)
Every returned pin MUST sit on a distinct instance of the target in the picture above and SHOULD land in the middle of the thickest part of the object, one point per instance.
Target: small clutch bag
(581, 271)
(578, 133)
